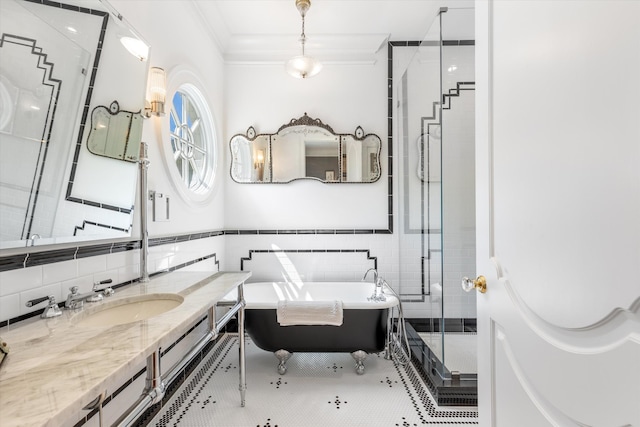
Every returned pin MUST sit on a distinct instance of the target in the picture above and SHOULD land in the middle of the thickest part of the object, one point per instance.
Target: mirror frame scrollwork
(307, 126)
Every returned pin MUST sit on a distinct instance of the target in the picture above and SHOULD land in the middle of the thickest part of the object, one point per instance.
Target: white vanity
(58, 366)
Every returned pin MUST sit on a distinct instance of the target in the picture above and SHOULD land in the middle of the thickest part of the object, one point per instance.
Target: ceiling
(337, 30)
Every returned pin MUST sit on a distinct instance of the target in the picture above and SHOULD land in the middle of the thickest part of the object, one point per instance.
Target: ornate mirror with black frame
(305, 148)
(61, 60)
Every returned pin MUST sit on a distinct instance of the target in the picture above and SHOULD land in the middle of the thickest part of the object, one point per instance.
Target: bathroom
(230, 226)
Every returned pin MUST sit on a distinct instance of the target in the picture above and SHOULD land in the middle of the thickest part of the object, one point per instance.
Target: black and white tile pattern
(319, 389)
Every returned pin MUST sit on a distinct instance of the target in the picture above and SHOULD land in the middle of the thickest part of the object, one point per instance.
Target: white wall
(188, 54)
(242, 95)
(342, 96)
(168, 51)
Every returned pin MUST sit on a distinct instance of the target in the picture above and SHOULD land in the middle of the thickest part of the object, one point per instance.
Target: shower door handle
(480, 283)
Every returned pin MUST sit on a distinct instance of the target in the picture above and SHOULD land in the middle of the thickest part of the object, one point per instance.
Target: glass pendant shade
(303, 66)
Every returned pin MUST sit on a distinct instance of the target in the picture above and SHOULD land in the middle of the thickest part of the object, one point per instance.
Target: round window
(192, 139)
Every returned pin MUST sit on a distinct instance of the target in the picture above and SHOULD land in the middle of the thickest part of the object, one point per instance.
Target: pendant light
(303, 66)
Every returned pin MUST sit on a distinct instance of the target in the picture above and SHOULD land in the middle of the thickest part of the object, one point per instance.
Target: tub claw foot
(359, 357)
(283, 356)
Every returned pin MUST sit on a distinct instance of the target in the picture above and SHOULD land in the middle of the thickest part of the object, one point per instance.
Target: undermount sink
(126, 310)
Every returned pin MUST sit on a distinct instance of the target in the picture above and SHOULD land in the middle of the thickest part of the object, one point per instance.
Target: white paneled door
(558, 212)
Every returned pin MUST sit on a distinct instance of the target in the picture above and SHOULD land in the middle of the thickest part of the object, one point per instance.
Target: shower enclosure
(433, 111)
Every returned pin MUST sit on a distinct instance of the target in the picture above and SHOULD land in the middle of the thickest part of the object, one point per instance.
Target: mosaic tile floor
(460, 349)
(318, 389)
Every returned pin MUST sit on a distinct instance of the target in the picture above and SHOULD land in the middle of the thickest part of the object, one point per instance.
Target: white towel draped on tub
(309, 313)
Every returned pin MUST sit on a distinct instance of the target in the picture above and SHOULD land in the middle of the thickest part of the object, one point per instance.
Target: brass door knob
(480, 283)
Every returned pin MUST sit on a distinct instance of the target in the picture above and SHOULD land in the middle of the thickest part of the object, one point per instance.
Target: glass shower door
(457, 194)
(436, 99)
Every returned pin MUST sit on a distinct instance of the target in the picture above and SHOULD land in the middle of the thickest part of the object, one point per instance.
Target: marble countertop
(56, 367)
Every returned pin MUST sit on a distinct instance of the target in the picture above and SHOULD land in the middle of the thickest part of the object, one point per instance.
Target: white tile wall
(20, 285)
(88, 265)
(59, 271)
(459, 207)
(176, 353)
(10, 306)
(316, 266)
(15, 281)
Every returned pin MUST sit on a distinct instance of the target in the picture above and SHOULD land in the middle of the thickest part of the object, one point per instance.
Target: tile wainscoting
(320, 255)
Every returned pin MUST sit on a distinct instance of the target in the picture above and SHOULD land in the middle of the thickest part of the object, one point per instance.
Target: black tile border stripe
(31, 259)
(302, 251)
(307, 231)
(119, 248)
(97, 224)
(449, 324)
(429, 367)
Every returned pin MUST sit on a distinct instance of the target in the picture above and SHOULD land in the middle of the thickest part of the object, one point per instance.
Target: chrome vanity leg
(243, 380)
(359, 357)
(155, 387)
(283, 356)
(97, 403)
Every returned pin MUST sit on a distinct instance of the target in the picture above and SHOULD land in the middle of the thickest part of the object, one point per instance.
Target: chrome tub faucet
(378, 294)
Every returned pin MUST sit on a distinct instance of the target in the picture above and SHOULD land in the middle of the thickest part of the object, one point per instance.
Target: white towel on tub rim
(292, 313)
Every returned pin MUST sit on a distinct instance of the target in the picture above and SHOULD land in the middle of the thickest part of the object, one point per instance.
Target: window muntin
(192, 139)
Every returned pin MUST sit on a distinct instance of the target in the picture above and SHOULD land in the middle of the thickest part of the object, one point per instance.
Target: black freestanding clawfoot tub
(363, 329)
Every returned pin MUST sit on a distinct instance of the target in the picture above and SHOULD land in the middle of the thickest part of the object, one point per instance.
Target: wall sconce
(156, 92)
(259, 165)
(135, 46)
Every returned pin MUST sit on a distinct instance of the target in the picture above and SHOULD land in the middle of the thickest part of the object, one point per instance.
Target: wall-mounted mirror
(60, 60)
(115, 133)
(305, 148)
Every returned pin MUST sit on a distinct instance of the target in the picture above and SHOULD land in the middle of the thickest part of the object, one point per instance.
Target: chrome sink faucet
(75, 301)
(378, 294)
(52, 309)
(99, 293)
